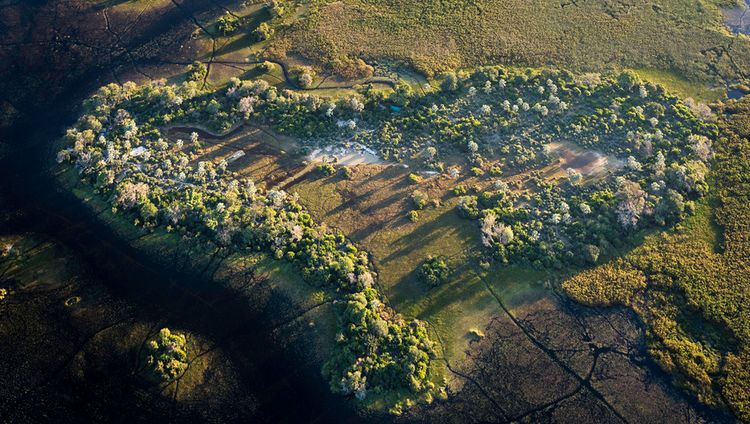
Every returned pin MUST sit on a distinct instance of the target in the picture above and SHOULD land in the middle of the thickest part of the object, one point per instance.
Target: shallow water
(737, 19)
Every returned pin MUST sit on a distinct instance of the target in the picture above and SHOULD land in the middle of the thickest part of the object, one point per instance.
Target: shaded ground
(73, 351)
(553, 361)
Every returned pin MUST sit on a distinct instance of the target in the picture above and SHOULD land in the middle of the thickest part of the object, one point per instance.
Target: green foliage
(468, 207)
(435, 271)
(197, 71)
(166, 356)
(228, 24)
(415, 178)
(326, 169)
(413, 216)
(266, 66)
(119, 150)
(419, 199)
(264, 31)
(459, 190)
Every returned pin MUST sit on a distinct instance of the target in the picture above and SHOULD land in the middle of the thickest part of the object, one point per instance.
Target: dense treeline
(691, 289)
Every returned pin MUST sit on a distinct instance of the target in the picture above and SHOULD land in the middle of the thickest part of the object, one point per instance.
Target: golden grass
(686, 36)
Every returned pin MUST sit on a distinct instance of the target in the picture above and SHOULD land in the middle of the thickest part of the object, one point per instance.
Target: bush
(435, 271)
(166, 357)
(420, 199)
(197, 71)
(415, 178)
(326, 169)
(264, 31)
(228, 23)
(468, 207)
(266, 66)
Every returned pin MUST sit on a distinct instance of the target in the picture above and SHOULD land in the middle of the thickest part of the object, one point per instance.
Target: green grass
(432, 36)
(372, 207)
(680, 86)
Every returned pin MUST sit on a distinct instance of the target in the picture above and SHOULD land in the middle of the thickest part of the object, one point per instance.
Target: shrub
(197, 71)
(266, 66)
(166, 357)
(228, 23)
(326, 169)
(415, 178)
(435, 271)
(468, 207)
(264, 31)
(420, 199)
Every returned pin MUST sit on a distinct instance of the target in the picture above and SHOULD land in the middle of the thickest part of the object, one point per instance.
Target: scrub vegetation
(690, 286)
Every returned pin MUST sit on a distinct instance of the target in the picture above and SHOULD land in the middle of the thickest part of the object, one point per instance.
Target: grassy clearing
(371, 208)
(686, 36)
(680, 86)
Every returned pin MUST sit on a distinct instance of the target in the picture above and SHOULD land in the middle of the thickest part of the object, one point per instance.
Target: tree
(435, 270)
(671, 208)
(420, 199)
(264, 31)
(450, 82)
(266, 66)
(130, 194)
(197, 71)
(402, 93)
(276, 8)
(494, 231)
(228, 23)
(304, 76)
(166, 356)
(632, 203)
(591, 253)
(468, 207)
